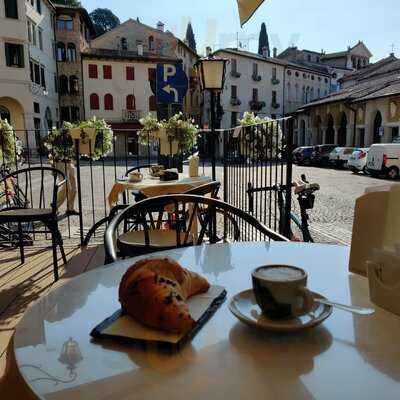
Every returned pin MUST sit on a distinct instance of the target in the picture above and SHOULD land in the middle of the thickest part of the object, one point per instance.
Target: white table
(348, 357)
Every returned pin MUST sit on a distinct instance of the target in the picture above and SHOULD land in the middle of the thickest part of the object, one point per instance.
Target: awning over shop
(247, 8)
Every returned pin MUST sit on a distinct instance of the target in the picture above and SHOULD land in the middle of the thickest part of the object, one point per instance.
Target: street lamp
(211, 72)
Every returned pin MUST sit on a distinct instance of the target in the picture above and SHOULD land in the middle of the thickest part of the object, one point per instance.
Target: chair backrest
(139, 168)
(193, 219)
(34, 187)
(210, 188)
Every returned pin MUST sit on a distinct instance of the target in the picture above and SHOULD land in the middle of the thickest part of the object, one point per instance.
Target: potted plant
(261, 138)
(10, 145)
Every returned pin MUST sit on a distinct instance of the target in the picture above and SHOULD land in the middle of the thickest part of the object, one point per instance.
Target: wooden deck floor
(22, 284)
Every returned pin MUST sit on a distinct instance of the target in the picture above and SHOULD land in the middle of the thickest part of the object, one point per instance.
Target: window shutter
(93, 71)
(94, 101)
(108, 102)
(130, 102)
(152, 103)
(107, 72)
(130, 73)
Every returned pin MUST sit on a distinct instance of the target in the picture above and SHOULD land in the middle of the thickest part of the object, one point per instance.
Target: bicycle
(305, 197)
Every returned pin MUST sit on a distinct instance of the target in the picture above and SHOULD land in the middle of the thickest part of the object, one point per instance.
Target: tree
(263, 40)
(73, 3)
(103, 20)
(190, 37)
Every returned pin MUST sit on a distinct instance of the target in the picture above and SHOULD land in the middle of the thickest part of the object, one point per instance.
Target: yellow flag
(247, 8)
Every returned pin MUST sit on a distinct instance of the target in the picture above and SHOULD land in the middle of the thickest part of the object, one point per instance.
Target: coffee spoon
(352, 309)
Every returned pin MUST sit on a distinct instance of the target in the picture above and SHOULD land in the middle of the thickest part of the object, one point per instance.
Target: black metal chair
(198, 210)
(39, 187)
(137, 194)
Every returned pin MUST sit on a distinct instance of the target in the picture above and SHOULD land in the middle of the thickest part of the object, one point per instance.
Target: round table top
(348, 356)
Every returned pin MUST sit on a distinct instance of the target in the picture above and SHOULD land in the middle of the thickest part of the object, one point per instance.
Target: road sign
(172, 83)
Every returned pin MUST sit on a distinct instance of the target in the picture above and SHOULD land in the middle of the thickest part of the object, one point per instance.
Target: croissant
(154, 292)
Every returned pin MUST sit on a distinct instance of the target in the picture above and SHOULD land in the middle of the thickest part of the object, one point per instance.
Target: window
(63, 85)
(151, 43)
(152, 103)
(274, 97)
(42, 78)
(37, 73)
(61, 54)
(75, 114)
(308, 57)
(130, 102)
(73, 84)
(255, 94)
(255, 69)
(55, 84)
(93, 71)
(107, 72)
(108, 102)
(234, 92)
(65, 115)
(11, 9)
(40, 33)
(71, 52)
(233, 65)
(94, 101)
(130, 73)
(36, 108)
(39, 6)
(33, 27)
(124, 44)
(274, 73)
(234, 117)
(64, 23)
(31, 69)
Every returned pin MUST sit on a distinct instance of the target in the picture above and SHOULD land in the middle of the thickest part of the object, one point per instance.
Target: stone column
(336, 135)
(349, 136)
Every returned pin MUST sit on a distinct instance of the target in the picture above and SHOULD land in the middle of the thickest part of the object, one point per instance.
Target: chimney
(208, 51)
(160, 26)
(265, 52)
(140, 49)
(275, 52)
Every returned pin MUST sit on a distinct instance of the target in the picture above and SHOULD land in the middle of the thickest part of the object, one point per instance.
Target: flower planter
(87, 140)
(168, 147)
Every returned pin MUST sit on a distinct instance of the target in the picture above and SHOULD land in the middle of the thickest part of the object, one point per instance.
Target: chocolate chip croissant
(154, 292)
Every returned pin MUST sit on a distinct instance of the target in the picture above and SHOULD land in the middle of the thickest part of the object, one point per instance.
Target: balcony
(256, 77)
(275, 81)
(235, 74)
(131, 115)
(256, 105)
(235, 101)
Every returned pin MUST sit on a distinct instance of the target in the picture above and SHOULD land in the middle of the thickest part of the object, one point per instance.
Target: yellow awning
(247, 8)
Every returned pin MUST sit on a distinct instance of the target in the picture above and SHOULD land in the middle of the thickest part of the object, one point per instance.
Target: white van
(384, 158)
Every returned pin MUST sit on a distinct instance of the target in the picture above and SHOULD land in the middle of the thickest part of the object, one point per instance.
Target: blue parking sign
(172, 83)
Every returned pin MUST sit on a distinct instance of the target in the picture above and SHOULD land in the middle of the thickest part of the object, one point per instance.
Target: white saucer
(245, 308)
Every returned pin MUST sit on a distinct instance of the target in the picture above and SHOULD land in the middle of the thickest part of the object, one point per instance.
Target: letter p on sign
(169, 71)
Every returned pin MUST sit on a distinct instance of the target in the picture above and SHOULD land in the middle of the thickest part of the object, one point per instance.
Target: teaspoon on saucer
(352, 309)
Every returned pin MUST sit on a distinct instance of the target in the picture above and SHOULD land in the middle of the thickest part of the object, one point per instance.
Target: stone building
(365, 111)
(16, 103)
(74, 30)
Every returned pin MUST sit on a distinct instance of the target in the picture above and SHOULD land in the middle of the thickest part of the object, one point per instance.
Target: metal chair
(198, 210)
(39, 187)
(137, 194)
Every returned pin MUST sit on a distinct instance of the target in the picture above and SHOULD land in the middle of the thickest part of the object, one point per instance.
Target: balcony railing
(275, 81)
(131, 115)
(235, 101)
(235, 74)
(256, 105)
(256, 77)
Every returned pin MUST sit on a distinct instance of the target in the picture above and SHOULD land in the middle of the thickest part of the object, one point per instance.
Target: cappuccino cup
(281, 291)
(135, 176)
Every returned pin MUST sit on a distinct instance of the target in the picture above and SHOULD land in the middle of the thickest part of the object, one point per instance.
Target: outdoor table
(151, 186)
(347, 357)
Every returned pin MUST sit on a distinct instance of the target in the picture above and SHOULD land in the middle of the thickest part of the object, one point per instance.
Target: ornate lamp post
(211, 73)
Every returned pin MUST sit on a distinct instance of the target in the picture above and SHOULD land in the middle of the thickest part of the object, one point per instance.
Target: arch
(359, 63)
(377, 127)
(73, 84)
(108, 102)
(94, 101)
(330, 130)
(61, 52)
(130, 102)
(151, 43)
(5, 113)
(318, 125)
(302, 132)
(342, 134)
(63, 86)
(124, 44)
(71, 52)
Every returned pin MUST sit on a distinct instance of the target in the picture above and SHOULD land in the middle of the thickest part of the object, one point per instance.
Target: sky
(310, 24)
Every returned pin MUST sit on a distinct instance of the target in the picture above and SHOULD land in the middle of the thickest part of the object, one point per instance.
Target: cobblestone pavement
(330, 221)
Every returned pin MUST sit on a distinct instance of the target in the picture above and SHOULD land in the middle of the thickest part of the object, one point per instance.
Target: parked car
(358, 161)
(320, 155)
(340, 155)
(302, 155)
(384, 159)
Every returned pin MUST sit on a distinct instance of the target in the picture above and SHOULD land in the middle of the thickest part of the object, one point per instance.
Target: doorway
(378, 128)
(342, 131)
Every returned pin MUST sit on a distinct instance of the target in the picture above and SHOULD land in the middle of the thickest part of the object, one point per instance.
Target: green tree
(104, 20)
(190, 37)
(263, 40)
(74, 3)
